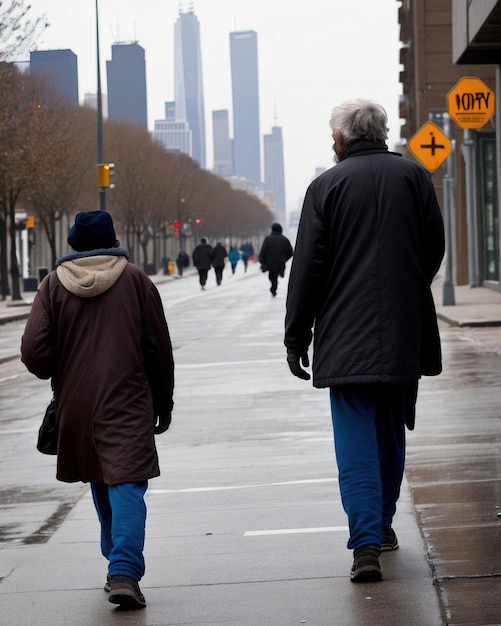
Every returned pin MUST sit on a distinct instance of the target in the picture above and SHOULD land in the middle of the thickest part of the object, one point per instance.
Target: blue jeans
(369, 439)
(122, 513)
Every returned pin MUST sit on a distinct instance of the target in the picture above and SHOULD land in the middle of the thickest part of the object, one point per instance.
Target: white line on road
(3, 380)
(191, 366)
(295, 531)
(229, 487)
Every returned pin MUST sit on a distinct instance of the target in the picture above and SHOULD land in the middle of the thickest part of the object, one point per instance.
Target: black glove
(294, 360)
(163, 423)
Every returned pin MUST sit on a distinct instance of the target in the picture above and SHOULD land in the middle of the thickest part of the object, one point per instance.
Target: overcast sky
(313, 54)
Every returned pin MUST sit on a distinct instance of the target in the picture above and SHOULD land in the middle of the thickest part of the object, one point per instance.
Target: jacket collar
(363, 147)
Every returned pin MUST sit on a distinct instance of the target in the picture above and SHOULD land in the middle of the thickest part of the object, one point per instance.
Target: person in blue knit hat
(97, 329)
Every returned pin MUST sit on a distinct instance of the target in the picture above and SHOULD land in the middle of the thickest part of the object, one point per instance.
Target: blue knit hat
(92, 230)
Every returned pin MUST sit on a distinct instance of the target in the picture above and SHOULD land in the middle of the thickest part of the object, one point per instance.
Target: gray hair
(360, 119)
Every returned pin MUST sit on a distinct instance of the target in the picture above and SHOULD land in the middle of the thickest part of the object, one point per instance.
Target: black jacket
(369, 243)
(275, 252)
(218, 255)
(201, 256)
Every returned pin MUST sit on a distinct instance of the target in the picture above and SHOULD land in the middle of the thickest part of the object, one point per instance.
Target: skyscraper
(173, 135)
(59, 68)
(126, 77)
(188, 82)
(274, 166)
(245, 91)
(223, 162)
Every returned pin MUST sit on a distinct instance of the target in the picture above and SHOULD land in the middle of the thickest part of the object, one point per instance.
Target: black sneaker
(366, 568)
(389, 539)
(125, 592)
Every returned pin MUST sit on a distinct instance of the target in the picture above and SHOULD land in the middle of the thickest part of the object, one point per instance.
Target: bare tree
(18, 31)
(19, 116)
(63, 151)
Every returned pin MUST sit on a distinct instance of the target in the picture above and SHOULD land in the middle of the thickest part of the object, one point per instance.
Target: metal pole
(448, 288)
(468, 144)
(102, 191)
(498, 155)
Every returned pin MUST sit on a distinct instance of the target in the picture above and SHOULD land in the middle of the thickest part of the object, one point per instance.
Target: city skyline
(309, 61)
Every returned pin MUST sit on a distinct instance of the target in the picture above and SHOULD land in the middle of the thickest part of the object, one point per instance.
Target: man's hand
(295, 360)
(163, 423)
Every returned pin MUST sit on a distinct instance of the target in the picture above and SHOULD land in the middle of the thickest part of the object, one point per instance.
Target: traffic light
(105, 172)
(177, 225)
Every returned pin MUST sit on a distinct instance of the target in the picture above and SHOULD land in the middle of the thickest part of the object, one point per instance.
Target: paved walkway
(312, 586)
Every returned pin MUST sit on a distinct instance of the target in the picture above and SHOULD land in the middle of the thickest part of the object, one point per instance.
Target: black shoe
(107, 584)
(389, 539)
(125, 592)
(366, 568)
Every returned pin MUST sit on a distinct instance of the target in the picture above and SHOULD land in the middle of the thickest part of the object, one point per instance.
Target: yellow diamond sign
(430, 146)
(471, 103)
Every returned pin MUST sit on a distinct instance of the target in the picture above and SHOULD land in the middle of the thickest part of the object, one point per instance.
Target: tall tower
(188, 80)
(274, 166)
(59, 68)
(244, 84)
(223, 162)
(126, 77)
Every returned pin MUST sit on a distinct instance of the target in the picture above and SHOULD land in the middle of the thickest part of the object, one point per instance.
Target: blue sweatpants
(369, 439)
(122, 513)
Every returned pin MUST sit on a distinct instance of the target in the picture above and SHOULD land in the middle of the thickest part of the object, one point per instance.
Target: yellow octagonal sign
(430, 146)
(471, 102)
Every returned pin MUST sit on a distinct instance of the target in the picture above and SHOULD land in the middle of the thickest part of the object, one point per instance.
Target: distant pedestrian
(234, 258)
(201, 260)
(247, 252)
(369, 243)
(218, 259)
(97, 329)
(275, 252)
(182, 262)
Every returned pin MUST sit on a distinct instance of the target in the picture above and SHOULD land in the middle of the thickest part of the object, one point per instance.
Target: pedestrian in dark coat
(182, 262)
(247, 252)
(275, 252)
(98, 330)
(370, 241)
(201, 260)
(218, 259)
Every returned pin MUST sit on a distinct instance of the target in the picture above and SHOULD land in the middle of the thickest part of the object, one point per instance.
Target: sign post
(471, 104)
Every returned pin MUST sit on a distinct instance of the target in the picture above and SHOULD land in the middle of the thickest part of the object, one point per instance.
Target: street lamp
(102, 190)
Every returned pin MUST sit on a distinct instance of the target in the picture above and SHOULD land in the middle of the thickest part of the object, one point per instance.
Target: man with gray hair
(369, 243)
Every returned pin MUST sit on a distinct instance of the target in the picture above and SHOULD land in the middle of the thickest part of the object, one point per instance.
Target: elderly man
(369, 243)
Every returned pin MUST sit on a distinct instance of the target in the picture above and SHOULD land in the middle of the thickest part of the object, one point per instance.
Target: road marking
(295, 531)
(3, 380)
(192, 366)
(230, 487)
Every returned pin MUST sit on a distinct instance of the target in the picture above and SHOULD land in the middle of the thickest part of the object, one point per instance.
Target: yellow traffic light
(30, 221)
(103, 175)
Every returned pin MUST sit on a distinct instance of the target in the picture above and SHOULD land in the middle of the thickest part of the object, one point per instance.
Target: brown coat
(109, 354)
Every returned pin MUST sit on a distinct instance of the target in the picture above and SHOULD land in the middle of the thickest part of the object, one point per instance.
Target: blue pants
(122, 513)
(369, 439)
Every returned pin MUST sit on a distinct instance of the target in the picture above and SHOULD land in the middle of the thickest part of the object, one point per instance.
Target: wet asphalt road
(453, 458)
